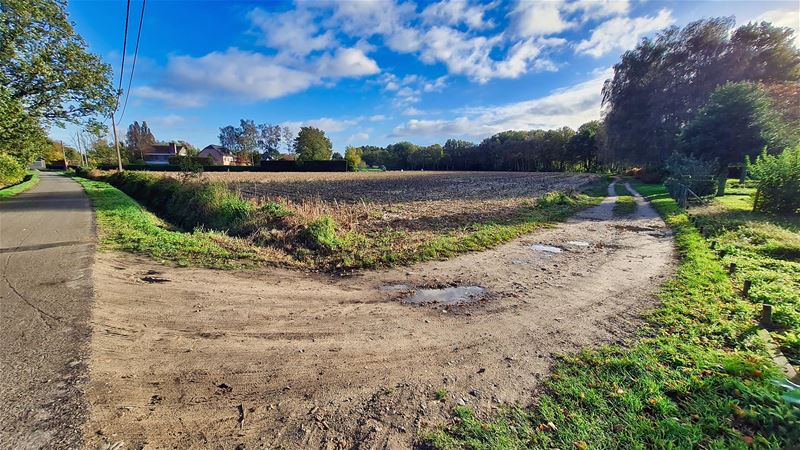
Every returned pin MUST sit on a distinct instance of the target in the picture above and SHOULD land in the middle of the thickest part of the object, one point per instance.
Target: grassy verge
(283, 236)
(124, 225)
(699, 378)
(31, 180)
(766, 251)
(625, 203)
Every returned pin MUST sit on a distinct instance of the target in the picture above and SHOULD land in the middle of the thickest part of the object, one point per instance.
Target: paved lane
(46, 253)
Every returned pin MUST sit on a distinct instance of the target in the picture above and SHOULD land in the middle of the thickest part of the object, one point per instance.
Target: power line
(133, 66)
(124, 51)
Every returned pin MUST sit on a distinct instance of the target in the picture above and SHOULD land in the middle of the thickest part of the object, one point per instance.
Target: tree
(247, 135)
(269, 139)
(353, 157)
(102, 152)
(288, 139)
(337, 157)
(139, 140)
(586, 145)
(659, 85)
(737, 122)
(46, 67)
(21, 136)
(229, 138)
(311, 144)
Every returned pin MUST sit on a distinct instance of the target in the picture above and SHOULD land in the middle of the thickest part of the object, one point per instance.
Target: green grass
(31, 180)
(124, 225)
(766, 251)
(625, 203)
(698, 378)
(440, 394)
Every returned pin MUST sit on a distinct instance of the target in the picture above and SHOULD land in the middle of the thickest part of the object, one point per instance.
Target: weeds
(124, 225)
(698, 379)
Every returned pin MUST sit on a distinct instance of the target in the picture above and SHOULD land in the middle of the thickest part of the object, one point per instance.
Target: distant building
(161, 153)
(219, 154)
(39, 163)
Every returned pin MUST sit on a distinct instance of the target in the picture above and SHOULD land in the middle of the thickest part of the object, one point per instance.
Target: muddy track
(275, 358)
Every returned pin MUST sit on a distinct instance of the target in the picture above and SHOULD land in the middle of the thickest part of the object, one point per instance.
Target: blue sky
(377, 72)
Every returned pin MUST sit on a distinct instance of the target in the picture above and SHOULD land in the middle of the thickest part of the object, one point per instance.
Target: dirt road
(46, 251)
(191, 358)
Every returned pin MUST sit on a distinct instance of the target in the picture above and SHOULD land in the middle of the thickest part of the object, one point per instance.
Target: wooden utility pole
(116, 142)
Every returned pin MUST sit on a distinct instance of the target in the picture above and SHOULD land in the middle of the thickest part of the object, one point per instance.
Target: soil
(272, 358)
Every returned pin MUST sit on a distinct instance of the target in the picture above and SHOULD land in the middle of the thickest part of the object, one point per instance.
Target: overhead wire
(133, 66)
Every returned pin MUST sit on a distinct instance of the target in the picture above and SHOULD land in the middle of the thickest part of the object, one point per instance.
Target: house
(219, 154)
(161, 153)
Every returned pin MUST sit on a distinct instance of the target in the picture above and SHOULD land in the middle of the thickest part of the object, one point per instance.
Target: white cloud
(435, 85)
(294, 31)
(377, 118)
(597, 9)
(455, 12)
(326, 124)
(172, 98)
(411, 111)
(538, 18)
(783, 18)
(622, 33)
(347, 62)
(571, 106)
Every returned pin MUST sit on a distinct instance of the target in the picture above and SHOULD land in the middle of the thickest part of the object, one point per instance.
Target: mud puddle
(446, 296)
(546, 248)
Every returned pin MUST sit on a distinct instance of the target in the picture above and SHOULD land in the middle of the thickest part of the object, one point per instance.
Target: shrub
(694, 173)
(11, 171)
(321, 233)
(778, 182)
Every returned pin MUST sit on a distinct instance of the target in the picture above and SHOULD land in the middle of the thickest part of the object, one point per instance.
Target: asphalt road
(46, 252)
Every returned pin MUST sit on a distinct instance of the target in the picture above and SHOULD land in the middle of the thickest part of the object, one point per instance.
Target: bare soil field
(273, 358)
(409, 201)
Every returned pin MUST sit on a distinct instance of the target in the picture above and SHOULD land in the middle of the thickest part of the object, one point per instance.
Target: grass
(766, 251)
(30, 180)
(698, 378)
(124, 225)
(625, 204)
(440, 394)
(287, 236)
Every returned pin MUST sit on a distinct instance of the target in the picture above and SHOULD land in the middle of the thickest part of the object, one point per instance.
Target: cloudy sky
(376, 72)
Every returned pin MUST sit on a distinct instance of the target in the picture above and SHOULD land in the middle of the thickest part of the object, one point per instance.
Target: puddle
(546, 248)
(395, 288)
(578, 243)
(152, 279)
(446, 296)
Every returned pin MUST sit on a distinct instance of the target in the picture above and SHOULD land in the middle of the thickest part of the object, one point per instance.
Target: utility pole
(116, 141)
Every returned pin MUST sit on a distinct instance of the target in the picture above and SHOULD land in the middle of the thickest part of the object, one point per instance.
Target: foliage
(311, 144)
(778, 181)
(29, 181)
(46, 67)
(126, 226)
(736, 122)
(11, 171)
(658, 86)
(20, 134)
(139, 140)
(102, 152)
(696, 174)
(185, 204)
(535, 150)
(321, 233)
(353, 157)
(697, 380)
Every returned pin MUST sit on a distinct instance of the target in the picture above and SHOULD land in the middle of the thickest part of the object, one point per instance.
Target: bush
(11, 171)
(196, 160)
(321, 233)
(186, 204)
(696, 174)
(778, 182)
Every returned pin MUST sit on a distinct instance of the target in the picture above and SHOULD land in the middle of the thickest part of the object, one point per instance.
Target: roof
(219, 149)
(171, 148)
